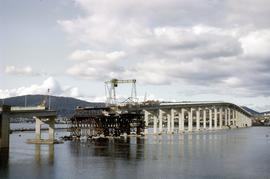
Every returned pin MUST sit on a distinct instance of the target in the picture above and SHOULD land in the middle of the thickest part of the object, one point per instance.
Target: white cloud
(12, 70)
(257, 43)
(90, 55)
(174, 42)
(96, 64)
(49, 83)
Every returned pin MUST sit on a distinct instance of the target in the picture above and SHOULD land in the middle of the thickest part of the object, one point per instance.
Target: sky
(177, 50)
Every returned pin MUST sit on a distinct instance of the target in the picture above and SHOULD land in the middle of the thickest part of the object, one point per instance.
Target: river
(236, 153)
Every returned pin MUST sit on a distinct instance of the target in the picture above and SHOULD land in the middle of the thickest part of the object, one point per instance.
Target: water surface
(238, 153)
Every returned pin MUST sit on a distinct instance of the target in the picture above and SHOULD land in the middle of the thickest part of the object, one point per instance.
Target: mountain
(265, 112)
(253, 112)
(64, 106)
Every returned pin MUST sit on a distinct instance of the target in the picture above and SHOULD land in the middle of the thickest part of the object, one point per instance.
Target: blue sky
(178, 50)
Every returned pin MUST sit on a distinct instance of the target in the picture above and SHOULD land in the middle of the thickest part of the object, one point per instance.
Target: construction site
(115, 119)
(128, 116)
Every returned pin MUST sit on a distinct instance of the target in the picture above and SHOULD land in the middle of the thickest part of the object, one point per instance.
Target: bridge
(154, 117)
(41, 116)
(194, 116)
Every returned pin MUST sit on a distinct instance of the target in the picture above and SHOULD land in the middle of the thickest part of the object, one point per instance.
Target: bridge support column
(38, 139)
(226, 116)
(182, 120)
(190, 120)
(233, 117)
(215, 118)
(229, 117)
(51, 129)
(169, 117)
(172, 120)
(210, 119)
(204, 119)
(220, 117)
(155, 124)
(160, 117)
(198, 119)
(38, 128)
(4, 127)
(146, 117)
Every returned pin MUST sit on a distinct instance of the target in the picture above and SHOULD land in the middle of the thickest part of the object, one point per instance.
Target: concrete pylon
(220, 117)
(160, 118)
(210, 119)
(51, 129)
(38, 128)
(168, 115)
(146, 116)
(190, 120)
(182, 120)
(4, 127)
(215, 118)
(38, 140)
(233, 117)
(229, 117)
(226, 116)
(198, 119)
(204, 119)
(155, 124)
(172, 120)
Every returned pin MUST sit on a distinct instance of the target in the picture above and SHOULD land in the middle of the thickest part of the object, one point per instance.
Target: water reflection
(4, 162)
(43, 151)
(224, 154)
(4, 156)
(153, 147)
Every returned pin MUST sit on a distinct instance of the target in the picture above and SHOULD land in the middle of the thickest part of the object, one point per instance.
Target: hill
(253, 112)
(64, 106)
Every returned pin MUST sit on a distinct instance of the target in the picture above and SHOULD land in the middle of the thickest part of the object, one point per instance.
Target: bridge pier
(215, 118)
(160, 118)
(146, 119)
(198, 119)
(210, 119)
(38, 139)
(155, 123)
(206, 116)
(169, 118)
(190, 120)
(172, 121)
(220, 117)
(225, 116)
(4, 127)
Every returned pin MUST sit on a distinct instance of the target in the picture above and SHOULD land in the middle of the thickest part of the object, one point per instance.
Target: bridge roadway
(40, 114)
(179, 117)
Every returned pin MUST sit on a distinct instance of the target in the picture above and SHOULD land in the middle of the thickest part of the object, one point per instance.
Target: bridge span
(41, 116)
(177, 117)
(155, 117)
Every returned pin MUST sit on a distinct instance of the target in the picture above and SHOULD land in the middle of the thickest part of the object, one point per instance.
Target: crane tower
(111, 93)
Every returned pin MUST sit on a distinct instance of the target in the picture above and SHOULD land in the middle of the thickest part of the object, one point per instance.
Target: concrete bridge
(194, 116)
(40, 114)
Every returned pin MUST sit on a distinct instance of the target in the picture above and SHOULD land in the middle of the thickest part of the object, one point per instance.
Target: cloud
(174, 42)
(22, 71)
(257, 43)
(12, 70)
(49, 83)
(96, 64)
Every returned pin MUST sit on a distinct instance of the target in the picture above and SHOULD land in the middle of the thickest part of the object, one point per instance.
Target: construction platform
(106, 121)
